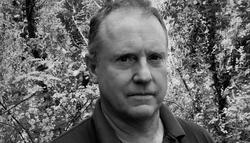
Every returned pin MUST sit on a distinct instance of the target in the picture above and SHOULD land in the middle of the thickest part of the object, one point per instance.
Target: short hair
(111, 6)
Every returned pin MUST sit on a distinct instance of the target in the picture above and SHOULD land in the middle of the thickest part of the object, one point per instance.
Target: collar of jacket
(106, 134)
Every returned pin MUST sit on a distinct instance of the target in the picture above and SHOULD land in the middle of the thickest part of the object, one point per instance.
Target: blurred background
(45, 88)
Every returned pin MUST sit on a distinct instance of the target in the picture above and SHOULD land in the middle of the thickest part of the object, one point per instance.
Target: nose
(142, 73)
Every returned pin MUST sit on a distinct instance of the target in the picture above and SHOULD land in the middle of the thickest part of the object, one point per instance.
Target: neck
(148, 130)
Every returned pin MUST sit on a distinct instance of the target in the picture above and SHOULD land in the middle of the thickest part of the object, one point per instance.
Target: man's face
(131, 68)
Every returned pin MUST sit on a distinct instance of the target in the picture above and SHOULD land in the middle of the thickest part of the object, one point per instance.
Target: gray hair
(110, 6)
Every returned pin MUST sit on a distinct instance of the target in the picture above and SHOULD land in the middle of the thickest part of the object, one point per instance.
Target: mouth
(141, 94)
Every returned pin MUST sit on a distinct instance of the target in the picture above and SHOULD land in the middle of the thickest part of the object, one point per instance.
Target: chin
(142, 111)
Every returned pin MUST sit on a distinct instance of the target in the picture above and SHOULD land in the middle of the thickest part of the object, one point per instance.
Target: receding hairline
(110, 21)
(141, 11)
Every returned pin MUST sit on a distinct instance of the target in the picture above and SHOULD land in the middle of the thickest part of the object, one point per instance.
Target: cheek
(119, 76)
(161, 74)
(114, 79)
(162, 79)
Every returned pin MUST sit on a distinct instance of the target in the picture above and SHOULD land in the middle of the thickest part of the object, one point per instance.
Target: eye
(156, 58)
(126, 59)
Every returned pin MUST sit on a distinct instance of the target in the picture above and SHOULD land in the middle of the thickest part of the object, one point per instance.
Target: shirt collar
(171, 124)
(104, 131)
(106, 134)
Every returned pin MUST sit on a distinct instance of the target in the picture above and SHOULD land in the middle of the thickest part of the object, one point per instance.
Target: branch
(178, 105)
(9, 125)
(7, 110)
(13, 117)
(97, 4)
(16, 129)
(76, 115)
(85, 40)
(27, 131)
(184, 82)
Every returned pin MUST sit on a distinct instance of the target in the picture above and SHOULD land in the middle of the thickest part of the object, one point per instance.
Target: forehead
(129, 20)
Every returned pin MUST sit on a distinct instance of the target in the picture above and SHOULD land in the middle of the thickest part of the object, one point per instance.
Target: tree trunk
(30, 15)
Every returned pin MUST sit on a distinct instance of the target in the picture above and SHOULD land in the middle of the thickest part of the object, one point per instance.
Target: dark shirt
(97, 130)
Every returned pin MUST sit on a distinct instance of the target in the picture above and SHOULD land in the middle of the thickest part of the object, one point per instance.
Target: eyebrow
(125, 52)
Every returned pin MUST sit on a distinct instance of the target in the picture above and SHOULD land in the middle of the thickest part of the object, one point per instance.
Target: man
(127, 58)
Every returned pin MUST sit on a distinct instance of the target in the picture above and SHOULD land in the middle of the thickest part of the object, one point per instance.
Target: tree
(45, 87)
(200, 30)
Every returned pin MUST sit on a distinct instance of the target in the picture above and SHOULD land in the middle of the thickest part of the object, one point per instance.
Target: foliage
(45, 88)
(43, 93)
(213, 66)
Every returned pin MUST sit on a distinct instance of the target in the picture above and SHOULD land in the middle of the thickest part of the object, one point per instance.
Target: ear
(91, 64)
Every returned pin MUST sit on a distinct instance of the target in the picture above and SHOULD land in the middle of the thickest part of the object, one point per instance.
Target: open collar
(106, 134)
(171, 124)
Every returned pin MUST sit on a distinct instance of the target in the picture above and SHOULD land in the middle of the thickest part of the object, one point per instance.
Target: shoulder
(188, 125)
(81, 132)
(195, 132)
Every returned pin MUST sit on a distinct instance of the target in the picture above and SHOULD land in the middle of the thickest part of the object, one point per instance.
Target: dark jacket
(97, 130)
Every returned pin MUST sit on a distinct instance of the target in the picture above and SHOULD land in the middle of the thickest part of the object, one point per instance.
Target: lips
(141, 94)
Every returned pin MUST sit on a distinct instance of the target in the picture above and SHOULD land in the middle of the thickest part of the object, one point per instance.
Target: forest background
(45, 88)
